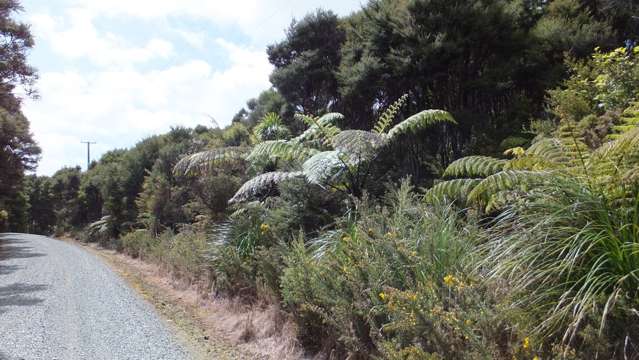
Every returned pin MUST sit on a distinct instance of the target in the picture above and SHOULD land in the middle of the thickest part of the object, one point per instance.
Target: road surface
(58, 301)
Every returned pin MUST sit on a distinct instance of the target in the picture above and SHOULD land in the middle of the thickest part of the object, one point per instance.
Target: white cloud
(119, 107)
(105, 83)
(262, 20)
(74, 36)
(194, 38)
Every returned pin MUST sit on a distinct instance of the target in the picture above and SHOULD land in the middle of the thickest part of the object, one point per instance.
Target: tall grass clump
(184, 254)
(393, 280)
(572, 257)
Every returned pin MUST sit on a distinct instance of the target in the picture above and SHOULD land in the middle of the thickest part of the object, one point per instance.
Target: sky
(116, 71)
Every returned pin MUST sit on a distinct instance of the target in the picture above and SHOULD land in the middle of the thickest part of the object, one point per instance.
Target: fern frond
(324, 167)
(204, 161)
(573, 144)
(420, 121)
(358, 144)
(549, 149)
(620, 146)
(629, 120)
(100, 227)
(530, 162)
(474, 166)
(280, 149)
(389, 115)
(507, 180)
(322, 128)
(451, 190)
(615, 159)
(261, 184)
(271, 127)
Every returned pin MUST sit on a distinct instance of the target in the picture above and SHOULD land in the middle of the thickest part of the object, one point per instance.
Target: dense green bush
(249, 257)
(395, 279)
(137, 243)
(607, 81)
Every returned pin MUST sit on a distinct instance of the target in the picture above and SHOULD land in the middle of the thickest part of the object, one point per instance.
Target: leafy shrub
(137, 243)
(394, 279)
(606, 81)
(186, 254)
(250, 257)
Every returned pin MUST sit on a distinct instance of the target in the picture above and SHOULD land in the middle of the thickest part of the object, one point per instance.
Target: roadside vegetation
(425, 180)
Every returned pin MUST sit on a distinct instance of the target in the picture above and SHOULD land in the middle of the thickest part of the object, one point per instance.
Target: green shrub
(607, 81)
(250, 258)
(233, 274)
(187, 255)
(394, 280)
(137, 243)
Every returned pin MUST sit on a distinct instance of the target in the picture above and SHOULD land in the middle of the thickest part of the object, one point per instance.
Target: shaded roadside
(17, 293)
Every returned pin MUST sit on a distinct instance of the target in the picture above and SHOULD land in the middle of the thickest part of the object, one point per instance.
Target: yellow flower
(382, 296)
(449, 280)
(516, 151)
(264, 228)
(536, 357)
(468, 322)
(346, 237)
(526, 343)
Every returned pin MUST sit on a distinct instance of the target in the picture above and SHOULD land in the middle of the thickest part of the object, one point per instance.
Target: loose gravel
(57, 301)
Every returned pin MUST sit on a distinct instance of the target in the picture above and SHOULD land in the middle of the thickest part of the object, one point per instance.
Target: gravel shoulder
(58, 301)
(197, 324)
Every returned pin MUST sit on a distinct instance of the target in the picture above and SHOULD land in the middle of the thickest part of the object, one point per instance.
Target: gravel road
(58, 301)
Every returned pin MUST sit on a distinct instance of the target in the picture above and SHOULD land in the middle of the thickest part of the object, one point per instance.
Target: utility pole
(88, 151)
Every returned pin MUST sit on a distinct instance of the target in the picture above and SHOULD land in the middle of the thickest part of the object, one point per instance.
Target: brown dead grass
(219, 327)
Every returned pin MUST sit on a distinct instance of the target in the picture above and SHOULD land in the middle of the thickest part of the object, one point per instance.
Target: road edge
(184, 320)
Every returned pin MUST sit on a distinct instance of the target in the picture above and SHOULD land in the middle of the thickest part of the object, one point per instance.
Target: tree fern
(358, 144)
(549, 149)
(629, 120)
(280, 149)
(573, 144)
(507, 180)
(420, 121)
(324, 167)
(451, 190)
(389, 115)
(614, 165)
(474, 166)
(203, 161)
(344, 151)
(322, 128)
(271, 127)
(100, 227)
(261, 184)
